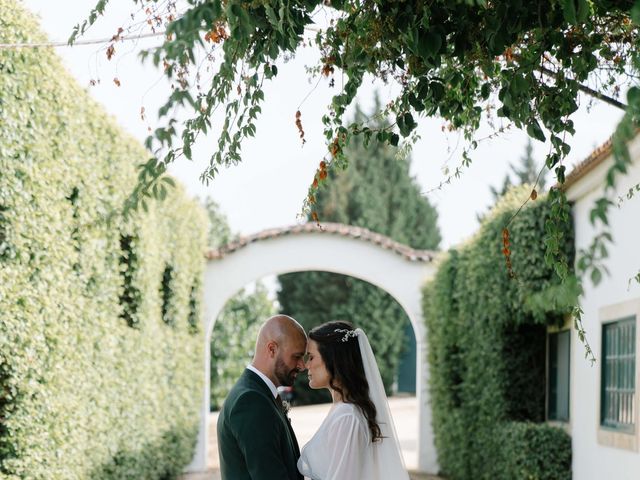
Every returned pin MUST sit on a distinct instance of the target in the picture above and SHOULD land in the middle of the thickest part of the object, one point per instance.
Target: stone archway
(399, 270)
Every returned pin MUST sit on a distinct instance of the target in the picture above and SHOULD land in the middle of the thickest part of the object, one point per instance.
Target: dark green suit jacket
(255, 439)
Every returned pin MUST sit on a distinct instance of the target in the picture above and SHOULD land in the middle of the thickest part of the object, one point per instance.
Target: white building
(599, 403)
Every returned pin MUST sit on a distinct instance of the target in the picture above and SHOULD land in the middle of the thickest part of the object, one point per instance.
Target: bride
(357, 439)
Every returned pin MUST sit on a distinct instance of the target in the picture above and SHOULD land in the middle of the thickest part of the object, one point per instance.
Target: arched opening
(358, 253)
(386, 323)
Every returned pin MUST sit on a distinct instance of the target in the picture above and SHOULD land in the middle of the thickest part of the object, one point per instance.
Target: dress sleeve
(348, 450)
(259, 434)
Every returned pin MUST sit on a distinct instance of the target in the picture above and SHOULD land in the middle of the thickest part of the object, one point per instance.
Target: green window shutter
(558, 378)
(618, 382)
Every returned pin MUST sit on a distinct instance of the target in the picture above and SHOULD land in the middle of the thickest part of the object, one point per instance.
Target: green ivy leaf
(569, 11)
(635, 13)
(633, 95)
(584, 9)
(406, 124)
(534, 130)
(429, 45)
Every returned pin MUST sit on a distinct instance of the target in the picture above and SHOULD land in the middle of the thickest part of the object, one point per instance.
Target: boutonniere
(286, 406)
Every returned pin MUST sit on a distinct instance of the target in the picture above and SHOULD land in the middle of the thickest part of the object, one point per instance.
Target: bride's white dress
(341, 448)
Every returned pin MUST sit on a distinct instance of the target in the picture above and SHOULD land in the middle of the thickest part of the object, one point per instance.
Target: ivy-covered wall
(100, 347)
(487, 342)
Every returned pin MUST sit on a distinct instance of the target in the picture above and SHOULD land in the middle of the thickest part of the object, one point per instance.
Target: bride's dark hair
(346, 372)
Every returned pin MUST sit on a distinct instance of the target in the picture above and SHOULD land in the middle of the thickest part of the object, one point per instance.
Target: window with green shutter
(618, 386)
(559, 358)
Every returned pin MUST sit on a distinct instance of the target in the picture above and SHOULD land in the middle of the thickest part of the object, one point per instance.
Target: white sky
(268, 187)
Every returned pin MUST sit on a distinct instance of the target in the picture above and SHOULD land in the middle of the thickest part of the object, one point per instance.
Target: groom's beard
(285, 376)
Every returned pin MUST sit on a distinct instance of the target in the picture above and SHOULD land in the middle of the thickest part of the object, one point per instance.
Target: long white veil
(390, 463)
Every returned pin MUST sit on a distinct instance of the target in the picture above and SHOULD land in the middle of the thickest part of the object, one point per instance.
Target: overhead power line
(80, 42)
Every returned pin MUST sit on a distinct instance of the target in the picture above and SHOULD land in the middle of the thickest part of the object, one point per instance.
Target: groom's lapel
(294, 440)
(292, 435)
(251, 378)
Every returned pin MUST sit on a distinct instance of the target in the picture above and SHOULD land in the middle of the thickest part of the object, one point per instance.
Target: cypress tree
(376, 192)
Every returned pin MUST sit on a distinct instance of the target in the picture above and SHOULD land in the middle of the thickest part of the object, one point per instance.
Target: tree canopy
(461, 60)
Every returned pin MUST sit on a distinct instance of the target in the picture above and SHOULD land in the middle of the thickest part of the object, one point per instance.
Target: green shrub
(233, 339)
(533, 452)
(487, 339)
(83, 395)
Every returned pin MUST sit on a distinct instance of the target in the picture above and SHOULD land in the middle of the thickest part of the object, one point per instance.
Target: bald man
(255, 439)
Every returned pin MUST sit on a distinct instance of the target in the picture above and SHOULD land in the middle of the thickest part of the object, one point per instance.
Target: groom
(255, 438)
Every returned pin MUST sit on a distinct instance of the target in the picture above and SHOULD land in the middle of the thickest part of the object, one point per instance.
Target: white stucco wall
(591, 459)
(401, 278)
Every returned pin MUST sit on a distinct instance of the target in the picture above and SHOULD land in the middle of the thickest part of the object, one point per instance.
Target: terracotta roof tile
(350, 231)
(599, 155)
(596, 157)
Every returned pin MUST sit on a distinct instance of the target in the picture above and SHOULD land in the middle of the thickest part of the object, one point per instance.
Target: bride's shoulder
(348, 419)
(343, 409)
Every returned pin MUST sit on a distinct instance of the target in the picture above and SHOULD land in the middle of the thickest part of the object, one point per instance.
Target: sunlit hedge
(100, 355)
(487, 341)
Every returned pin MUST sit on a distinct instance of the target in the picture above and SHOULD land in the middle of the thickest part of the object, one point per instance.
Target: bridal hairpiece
(347, 334)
